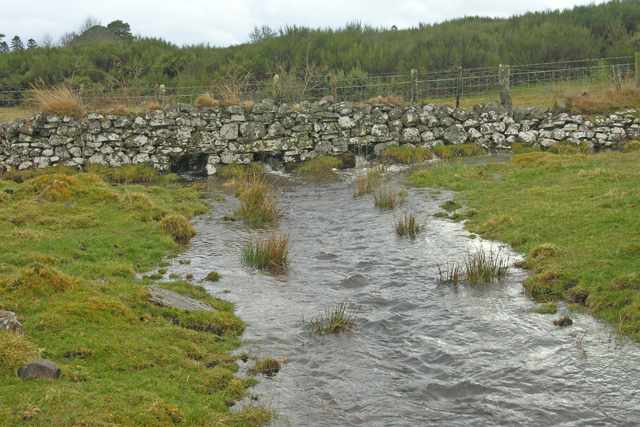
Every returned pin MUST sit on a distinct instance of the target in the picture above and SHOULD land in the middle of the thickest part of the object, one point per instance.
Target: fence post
(414, 85)
(162, 91)
(334, 88)
(458, 87)
(505, 93)
(615, 70)
(638, 70)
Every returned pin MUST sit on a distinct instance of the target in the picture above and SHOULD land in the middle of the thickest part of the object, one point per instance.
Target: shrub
(59, 100)
(339, 319)
(271, 251)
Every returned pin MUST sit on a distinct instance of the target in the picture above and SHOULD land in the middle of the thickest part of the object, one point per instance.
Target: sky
(223, 23)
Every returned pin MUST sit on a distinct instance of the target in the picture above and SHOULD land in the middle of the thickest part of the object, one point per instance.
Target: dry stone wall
(185, 137)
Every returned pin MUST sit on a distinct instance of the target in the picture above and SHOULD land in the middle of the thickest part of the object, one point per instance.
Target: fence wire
(584, 75)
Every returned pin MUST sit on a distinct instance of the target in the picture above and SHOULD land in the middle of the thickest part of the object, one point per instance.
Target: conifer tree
(16, 44)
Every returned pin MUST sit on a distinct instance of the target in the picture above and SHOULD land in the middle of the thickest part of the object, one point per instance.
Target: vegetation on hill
(604, 30)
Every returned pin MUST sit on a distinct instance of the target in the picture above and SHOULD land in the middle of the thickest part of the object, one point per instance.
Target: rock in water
(41, 368)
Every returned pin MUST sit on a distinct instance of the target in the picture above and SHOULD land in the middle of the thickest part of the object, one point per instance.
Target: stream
(422, 352)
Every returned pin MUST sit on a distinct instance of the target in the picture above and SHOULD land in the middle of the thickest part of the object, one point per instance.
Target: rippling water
(423, 352)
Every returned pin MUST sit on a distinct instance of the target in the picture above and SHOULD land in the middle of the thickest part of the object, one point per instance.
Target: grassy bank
(71, 247)
(577, 217)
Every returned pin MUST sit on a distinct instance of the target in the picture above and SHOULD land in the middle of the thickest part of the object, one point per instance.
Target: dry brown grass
(206, 100)
(59, 100)
(154, 106)
(389, 99)
(607, 102)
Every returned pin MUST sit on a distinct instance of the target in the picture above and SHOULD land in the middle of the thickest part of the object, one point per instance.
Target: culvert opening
(189, 164)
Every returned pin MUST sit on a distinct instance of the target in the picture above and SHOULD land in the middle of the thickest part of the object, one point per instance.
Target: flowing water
(422, 352)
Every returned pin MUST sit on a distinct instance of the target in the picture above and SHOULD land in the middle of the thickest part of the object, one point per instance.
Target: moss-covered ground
(72, 245)
(576, 217)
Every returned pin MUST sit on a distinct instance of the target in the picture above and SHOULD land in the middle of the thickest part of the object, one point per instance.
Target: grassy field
(576, 217)
(72, 245)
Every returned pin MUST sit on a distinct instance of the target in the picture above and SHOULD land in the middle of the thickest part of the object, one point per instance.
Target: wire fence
(585, 75)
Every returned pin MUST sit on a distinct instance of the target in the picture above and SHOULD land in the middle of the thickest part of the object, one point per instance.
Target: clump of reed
(269, 252)
(341, 318)
(258, 205)
(59, 100)
(367, 182)
(407, 225)
(479, 268)
(388, 197)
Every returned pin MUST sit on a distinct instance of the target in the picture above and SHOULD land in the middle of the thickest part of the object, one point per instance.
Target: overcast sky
(228, 22)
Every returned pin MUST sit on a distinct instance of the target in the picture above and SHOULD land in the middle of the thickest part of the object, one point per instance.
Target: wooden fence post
(615, 70)
(414, 85)
(638, 70)
(505, 93)
(334, 88)
(458, 87)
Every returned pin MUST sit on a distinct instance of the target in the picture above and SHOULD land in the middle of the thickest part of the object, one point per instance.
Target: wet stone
(167, 298)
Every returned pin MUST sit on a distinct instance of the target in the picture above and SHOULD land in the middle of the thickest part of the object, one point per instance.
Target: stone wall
(186, 137)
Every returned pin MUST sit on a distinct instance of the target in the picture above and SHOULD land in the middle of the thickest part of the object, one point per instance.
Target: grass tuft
(337, 320)
(268, 367)
(407, 225)
(368, 182)
(213, 276)
(15, 351)
(406, 154)
(258, 205)
(206, 100)
(388, 197)
(269, 252)
(462, 150)
(479, 268)
(178, 226)
(59, 100)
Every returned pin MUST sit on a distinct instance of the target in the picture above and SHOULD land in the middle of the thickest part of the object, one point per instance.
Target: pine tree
(4, 47)
(16, 44)
(31, 44)
(120, 29)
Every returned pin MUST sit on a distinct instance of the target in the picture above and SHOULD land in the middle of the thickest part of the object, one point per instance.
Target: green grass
(68, 269)
(269, 252)
(339, 319)
(320, 165)
(577, 217)
(462, 150)
(239, 173)
(213, 276)
(406, 154)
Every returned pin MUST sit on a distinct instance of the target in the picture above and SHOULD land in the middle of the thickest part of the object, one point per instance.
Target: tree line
(109, 56)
